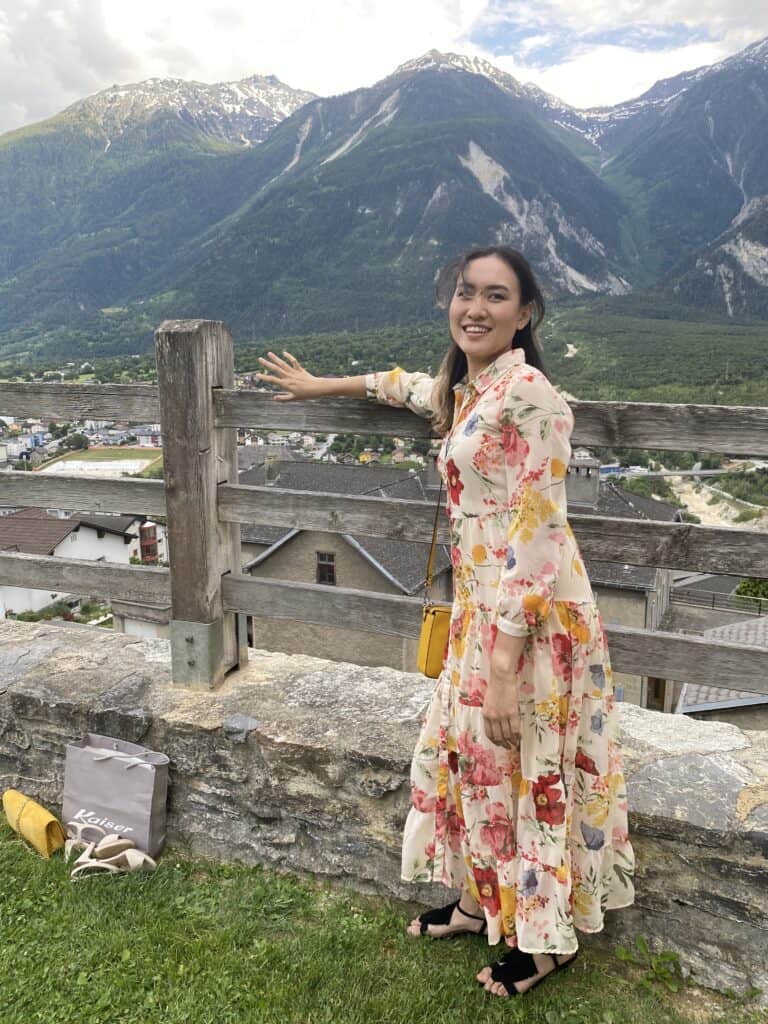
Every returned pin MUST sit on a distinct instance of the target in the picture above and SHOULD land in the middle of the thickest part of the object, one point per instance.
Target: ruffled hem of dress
(541, 952)
(612, 906)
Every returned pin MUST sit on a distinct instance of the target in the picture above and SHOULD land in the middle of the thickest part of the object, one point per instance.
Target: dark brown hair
(454, 365)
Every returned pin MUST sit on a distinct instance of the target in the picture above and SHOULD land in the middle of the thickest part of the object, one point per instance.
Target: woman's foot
(456, 919)
(518, 971)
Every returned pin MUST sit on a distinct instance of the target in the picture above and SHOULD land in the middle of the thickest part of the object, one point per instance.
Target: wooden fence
(199, 408)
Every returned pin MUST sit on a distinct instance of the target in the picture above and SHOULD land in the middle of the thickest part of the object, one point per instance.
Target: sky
(587, 52)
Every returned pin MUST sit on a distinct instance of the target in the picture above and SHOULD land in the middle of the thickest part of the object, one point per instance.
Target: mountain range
(283, 212)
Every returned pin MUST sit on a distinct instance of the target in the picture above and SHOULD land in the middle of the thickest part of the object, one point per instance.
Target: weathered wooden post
(193, 358)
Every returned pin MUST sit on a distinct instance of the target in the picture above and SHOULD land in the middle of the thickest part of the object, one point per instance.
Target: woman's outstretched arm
(298, 383)
(414, 391)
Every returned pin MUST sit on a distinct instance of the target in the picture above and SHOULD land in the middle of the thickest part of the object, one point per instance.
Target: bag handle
(129, 760)
(431, 559)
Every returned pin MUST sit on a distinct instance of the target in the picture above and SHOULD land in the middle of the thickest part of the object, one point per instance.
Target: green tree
(76, 442)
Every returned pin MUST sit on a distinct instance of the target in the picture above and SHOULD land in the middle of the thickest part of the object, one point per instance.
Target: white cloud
(595, 74)
(326, 46)
(580, 15)
(533, 42)
(53, 54)
(603, 75)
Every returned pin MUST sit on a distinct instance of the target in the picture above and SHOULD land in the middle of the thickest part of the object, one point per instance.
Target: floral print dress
(539, 835)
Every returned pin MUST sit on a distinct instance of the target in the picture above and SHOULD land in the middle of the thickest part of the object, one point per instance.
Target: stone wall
(303, 765)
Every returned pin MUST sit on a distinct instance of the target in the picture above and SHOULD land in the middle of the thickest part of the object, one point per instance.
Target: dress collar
(500, 365)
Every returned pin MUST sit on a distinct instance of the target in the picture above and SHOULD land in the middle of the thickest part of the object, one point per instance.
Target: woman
(518, 797)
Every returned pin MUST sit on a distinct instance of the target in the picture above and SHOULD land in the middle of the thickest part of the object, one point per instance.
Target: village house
(81, 535)
(148, 435)
(743, 708)
(344, 560)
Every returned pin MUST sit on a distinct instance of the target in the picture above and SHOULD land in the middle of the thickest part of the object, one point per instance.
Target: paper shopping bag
(117, 787)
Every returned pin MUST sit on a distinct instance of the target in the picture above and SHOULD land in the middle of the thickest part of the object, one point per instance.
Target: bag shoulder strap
(431, 559)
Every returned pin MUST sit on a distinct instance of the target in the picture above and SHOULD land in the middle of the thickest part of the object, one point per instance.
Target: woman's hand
(290, 375)
(501, 714)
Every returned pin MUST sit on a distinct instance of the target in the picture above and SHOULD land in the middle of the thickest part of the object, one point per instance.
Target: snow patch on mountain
(438, 61)
(241, 112)
(461, 62)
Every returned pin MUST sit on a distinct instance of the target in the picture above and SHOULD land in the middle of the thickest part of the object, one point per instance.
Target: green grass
(152, 472)
(204, 943)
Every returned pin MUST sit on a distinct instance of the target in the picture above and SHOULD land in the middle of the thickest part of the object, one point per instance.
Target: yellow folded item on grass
(33, 823)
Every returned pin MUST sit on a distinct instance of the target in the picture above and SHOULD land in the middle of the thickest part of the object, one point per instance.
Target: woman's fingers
(276, 364)
(269, 380)
(280, 362)
(284, 373)
(272, 367)
(504, 732)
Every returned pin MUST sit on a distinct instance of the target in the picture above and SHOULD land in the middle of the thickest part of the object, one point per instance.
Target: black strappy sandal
(443, 915)
(517, 965)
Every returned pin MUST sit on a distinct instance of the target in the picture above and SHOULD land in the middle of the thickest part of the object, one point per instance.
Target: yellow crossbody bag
(436, 618)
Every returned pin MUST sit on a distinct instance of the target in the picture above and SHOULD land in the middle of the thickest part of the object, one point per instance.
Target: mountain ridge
(242, 112)
(167, 198)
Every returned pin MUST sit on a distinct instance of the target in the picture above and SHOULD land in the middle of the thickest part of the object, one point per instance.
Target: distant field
(110, 462)
(113, 454)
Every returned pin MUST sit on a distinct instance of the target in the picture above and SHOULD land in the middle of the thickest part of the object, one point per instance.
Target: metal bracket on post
(241, 631)
(196, 653)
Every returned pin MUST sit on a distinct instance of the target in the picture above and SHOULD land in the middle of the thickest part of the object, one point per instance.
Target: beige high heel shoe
(103, 847)
(111, 846)
(76, 837)
(123, 863)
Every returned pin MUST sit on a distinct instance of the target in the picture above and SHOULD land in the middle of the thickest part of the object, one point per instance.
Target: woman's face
(485, 311)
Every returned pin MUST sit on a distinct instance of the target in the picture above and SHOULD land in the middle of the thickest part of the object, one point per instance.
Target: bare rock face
(303, 765)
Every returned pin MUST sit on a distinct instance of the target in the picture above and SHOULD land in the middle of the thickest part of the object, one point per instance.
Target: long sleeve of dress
(536, 425)
(413, 391)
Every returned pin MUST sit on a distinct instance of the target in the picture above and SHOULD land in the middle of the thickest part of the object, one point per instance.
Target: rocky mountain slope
(280, 211)
(241, 112)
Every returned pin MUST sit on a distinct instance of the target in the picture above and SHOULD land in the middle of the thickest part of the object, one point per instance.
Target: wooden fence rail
(733, 430)
(640, 651)
(726, 550)
(198, 407)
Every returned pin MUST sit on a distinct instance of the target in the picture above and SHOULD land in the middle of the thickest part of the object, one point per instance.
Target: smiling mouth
(475, 330)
